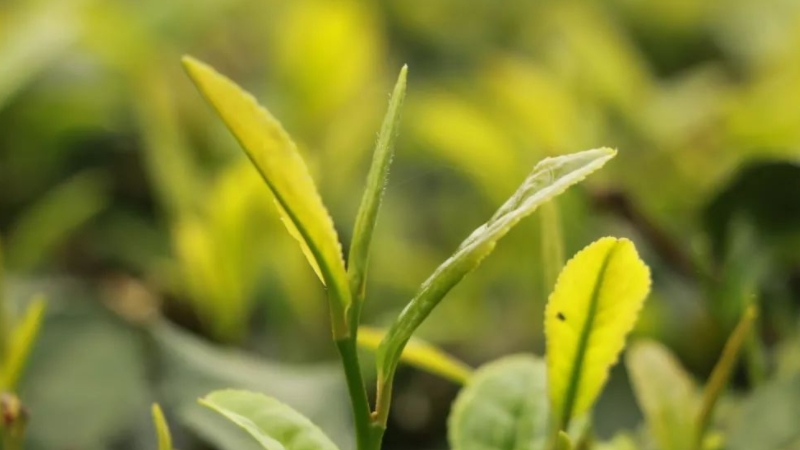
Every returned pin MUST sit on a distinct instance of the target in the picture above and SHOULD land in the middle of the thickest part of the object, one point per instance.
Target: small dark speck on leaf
(561, 317)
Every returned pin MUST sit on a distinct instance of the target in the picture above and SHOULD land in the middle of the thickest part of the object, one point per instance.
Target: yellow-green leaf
(295, 233)
(20, 344)
(162, 430)
(275, 155)
(666, 394)
(563, 442)
(594, 306)
(421, 355)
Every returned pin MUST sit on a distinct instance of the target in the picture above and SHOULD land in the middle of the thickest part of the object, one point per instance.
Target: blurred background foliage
(167, 272)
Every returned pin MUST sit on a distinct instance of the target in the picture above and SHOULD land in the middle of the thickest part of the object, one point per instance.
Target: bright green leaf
(276, 156)
(722, 371)
(376, 180)
(667, 395)
(503, 407)
(422, 355)
(21, 343)
(594, 306)
(273, 424)
(549, 178)
(162, 430)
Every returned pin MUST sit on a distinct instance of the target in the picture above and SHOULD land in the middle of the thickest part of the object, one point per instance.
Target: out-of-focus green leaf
(34, 40)
(421, 355)
(722, 372)
(48, 222)
(549, 178)
(589, 314)
(192, 368)
(81, 348)
(162, 429)
(503, 407)
(273, 424)
(277, 158)
(666, 394)
(768, 418)
(20, 344)
(367, 216)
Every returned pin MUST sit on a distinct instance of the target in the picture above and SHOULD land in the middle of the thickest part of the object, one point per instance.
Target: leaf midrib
(577, 366)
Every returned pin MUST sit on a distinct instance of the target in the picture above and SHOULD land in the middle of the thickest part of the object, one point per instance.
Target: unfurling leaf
(666, 394)
(276, 157)
(376, 180)
(551, 177)
(589, 314)
(421, 355)
(503, 407)
(274, 425)
(162, 430)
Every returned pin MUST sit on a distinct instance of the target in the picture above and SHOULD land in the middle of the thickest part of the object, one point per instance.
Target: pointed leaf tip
(276, 157)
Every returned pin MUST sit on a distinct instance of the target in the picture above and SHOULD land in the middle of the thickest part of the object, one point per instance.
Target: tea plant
(593, 307)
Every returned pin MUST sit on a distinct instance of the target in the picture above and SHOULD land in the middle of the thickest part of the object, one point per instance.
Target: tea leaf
(549, 178)
(503, 407)
(275, 155)
(722, 371)
(274, 425)
(422, 355)
(162, 430)
(593, 307)
(666, 394)
(21, 343)
(376, 180)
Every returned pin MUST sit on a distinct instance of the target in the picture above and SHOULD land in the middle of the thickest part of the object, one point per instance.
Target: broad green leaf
(593, 308)
(422, 355)
(376, 180)
(274, 425)
(162, 430)
(723, 370)
(503, 407)
(21, 343)
(666, 394)
(549, 178)
(276, 156)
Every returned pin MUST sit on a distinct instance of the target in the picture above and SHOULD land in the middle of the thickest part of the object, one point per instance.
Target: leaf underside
(273, 424)
(549, 178)
(594, 306)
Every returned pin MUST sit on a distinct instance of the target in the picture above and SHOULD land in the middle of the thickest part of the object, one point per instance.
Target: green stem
(358, 392)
